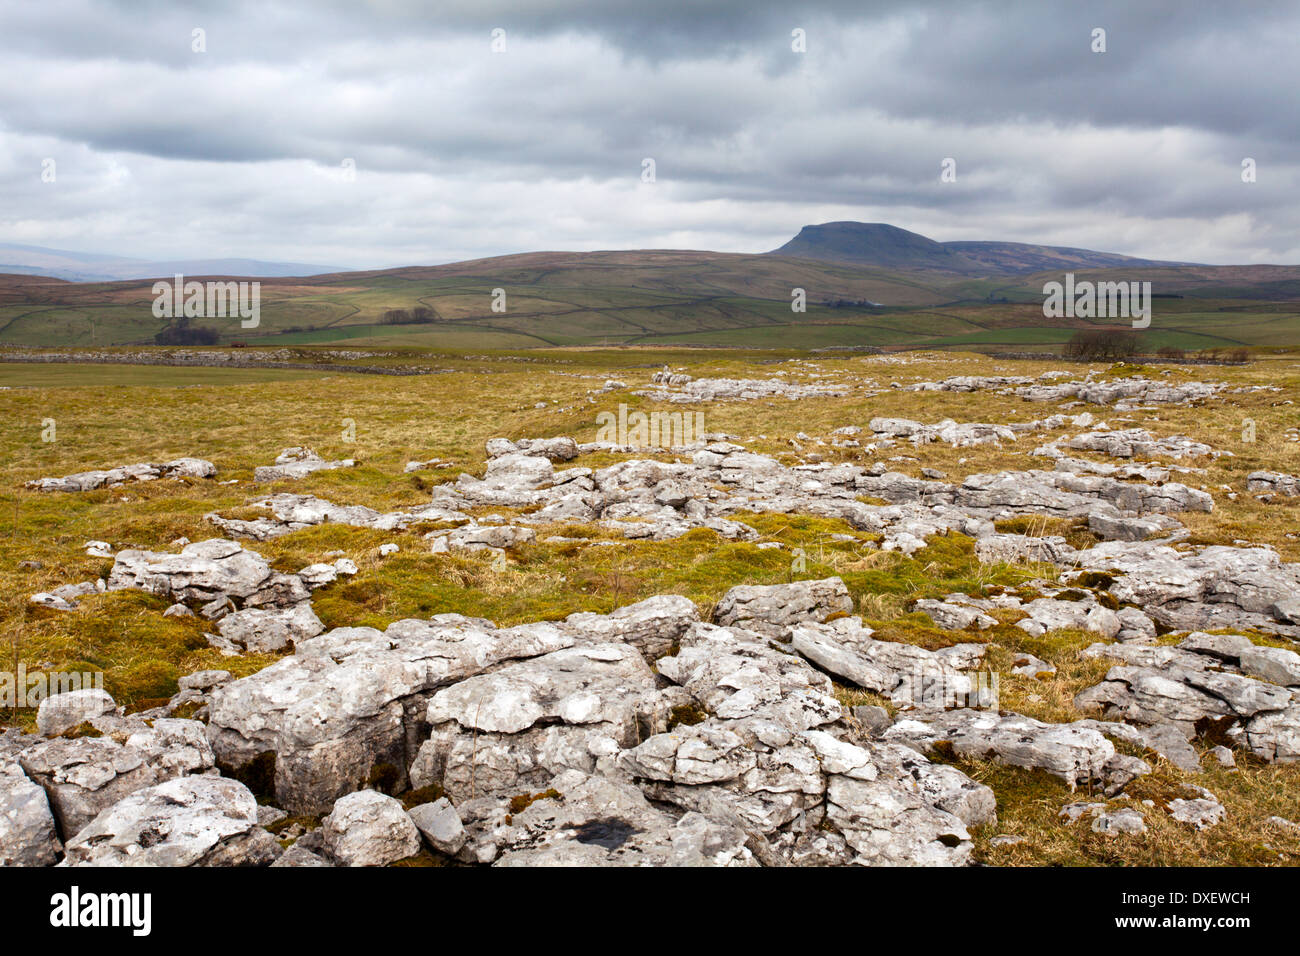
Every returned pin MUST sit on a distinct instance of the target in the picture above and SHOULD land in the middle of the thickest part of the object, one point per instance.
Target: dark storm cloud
(461, 151)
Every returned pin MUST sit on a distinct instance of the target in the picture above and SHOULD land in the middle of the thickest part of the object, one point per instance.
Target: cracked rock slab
(1076, 754)
(176, 823)
(774, 608)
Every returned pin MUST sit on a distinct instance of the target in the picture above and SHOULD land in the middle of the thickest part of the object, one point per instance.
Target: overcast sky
(461, 151)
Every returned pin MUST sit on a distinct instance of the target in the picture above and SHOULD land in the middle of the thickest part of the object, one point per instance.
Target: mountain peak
(873, 243)
(880, 244)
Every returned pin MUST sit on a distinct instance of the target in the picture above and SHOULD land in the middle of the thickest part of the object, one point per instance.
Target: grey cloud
(464, 152)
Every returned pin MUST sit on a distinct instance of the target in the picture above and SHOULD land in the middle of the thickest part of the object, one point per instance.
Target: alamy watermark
(20, 690)
(75, 908)
(1098, 300)
(649, 429)
(208, 300)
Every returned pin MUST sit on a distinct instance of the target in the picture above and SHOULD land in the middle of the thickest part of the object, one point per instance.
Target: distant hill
(880, 244)
(91, 267)
(877, 244)
(662, 296)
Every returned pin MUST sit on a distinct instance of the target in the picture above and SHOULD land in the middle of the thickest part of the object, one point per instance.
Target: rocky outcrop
(262, 631)
(775, 608)
(681, 389)
(656, 500)
(27, 832)
(289, 512)
(213, 570)
(83, 776)
(90, 480)
(59, 713)
(1076, 754)
(1205, 684)
(1273, 483)
(555, 449)
(583, 820)
(1138, 443)
(369, 829)
(298, 462)
(518, 726)
(350, 703)
(1200, 588)
(180, 822)
(1123, 392)
(909, 676)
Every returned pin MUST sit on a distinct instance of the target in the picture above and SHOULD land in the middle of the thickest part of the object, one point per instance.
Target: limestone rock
(258, 631)
(295, 463)
(774, 608)
(176, 823)
(62, 712)
(84, 776)
(440, 825)
(27, 833)
(367, 828)
(526, 722)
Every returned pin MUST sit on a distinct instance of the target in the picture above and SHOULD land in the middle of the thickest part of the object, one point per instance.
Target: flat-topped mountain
(880, 244)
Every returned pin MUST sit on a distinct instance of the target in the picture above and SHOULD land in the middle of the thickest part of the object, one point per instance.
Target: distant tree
(182, 332)
(1100, 345)
(420, 315)
(1171, 352)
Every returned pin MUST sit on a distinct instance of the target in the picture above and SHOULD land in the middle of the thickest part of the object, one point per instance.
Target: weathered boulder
(910, 676)
(522, 724)
(84, 776)
(367, 828)
(1076, 754)
(27, 832)
(653, 626)
(175, 823)
(202, 572)
(59, 713)
(1118, 527)
(1200, 813)
(556, 449)
(297, 462)
(440, 825)
(1050, 614)
(261, 631)
(952, 616)
(773, 608)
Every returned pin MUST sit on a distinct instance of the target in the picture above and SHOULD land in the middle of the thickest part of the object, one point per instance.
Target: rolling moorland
(374, 594)
(866, 285)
